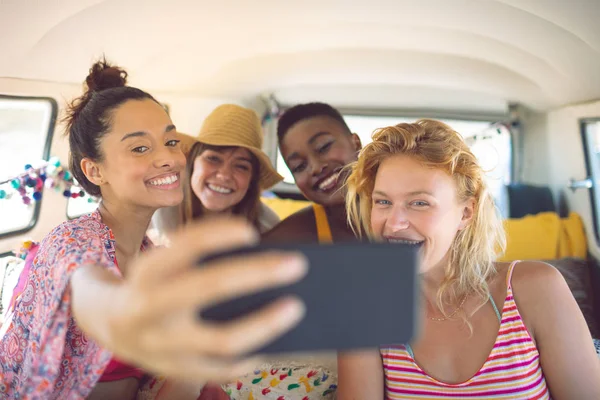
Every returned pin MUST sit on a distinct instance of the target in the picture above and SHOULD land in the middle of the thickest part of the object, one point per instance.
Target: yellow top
(323, 229)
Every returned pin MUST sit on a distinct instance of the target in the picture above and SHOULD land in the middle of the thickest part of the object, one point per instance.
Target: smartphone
(357, 296)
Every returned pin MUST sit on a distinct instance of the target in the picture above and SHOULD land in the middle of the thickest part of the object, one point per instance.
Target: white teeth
(219, 189)
(164, 181)
(401, 241)
(328, 181)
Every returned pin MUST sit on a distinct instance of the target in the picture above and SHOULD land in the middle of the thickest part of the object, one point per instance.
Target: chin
(216, 208)
(175, 201)
(333, 201)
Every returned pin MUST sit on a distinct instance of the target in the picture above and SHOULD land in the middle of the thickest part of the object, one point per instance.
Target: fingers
(234, 277)
(231, 339)
(253, 331)
(223, 280)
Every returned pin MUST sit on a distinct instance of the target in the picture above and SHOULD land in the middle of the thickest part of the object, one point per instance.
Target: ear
(92, 171)
(356, 142)
(467, 213)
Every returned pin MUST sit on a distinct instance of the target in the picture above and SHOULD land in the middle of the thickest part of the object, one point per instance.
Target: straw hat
(232, 125)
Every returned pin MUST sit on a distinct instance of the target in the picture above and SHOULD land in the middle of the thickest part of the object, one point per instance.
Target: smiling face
(141, 160)
(315, 150)
(415, 204)
(221, 177)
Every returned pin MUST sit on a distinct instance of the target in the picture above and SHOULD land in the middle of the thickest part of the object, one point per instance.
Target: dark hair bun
(105, 76)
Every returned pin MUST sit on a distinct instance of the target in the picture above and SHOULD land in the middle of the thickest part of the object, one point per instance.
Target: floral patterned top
(43, 353)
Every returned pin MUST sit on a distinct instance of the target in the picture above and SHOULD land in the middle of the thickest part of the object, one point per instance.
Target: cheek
(242, 179)
(129, 169)
(377, 222)
(342, 152)
(443, 227)
(179, 158)
(197, 178)
(302, 181)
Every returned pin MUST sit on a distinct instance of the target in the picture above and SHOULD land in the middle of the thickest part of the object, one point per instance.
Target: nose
(165, 158)
(317, 166)
(397, 219)
(225, 171)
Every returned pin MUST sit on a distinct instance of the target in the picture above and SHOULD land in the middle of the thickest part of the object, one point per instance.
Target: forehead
(403, 174)
(139, 115)
(233, 152)
(300, 134)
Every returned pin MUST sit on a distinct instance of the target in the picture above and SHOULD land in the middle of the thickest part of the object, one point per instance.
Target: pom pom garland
(50, 174)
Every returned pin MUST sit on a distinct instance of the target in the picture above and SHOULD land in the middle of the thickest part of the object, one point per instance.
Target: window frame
(589, 169)
(45, 156)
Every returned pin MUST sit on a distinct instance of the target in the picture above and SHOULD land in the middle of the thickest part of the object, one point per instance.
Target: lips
(404, 241)
(164, 180)
(219, 189)
(328, 183)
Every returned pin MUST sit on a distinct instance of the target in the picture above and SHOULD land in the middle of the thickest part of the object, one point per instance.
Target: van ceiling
(472, 55)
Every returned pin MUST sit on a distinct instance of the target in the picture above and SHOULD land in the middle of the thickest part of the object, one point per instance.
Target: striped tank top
(511, 371)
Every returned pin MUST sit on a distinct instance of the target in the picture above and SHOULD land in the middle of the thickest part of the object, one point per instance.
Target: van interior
(519, 79)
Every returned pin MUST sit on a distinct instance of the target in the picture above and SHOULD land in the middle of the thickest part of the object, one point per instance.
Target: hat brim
(268, 176)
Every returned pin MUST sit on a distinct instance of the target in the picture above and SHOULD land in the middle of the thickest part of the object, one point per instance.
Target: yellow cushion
(532, 237)
(284, 207)
(545, 236)
(573, 242)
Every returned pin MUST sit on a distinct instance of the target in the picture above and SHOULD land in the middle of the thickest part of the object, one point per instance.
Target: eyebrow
(310, 141)
(292, 157)
(169, 128)
(244, 159)
(317, 135)
(415, 193)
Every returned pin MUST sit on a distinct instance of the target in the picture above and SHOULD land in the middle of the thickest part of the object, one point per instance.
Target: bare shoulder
(537, 288)
(527, 275)
(299, 226)
(533, 278)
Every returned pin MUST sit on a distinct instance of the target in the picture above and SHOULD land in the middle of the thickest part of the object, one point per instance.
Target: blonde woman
(490, 330)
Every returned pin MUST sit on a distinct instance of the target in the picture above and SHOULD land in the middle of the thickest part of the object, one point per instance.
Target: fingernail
(293, 267)
(294, 309)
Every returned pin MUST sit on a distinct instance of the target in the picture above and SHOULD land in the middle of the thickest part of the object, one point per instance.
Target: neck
(337, 212)
(222, 213)
(128, 225)
(431, 282)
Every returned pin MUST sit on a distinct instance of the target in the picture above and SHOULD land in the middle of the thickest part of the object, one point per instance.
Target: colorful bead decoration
(50, 174)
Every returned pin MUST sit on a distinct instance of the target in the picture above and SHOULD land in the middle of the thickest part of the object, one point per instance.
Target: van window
(26, 128)
(590, 129)
(489, 141)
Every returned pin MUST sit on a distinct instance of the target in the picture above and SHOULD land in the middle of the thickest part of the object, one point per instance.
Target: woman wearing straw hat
(226, 172)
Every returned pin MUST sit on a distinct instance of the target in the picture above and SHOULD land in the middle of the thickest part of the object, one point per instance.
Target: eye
(140, 149)
(299, 168)
(419, 204)
(243, 167)
(325, 147)
(173, 143)
(213, 158)
(382, 202)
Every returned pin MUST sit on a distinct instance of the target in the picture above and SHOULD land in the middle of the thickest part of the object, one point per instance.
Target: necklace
(460, 306)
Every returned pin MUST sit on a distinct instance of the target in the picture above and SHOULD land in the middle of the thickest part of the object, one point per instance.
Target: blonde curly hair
(475, 249)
